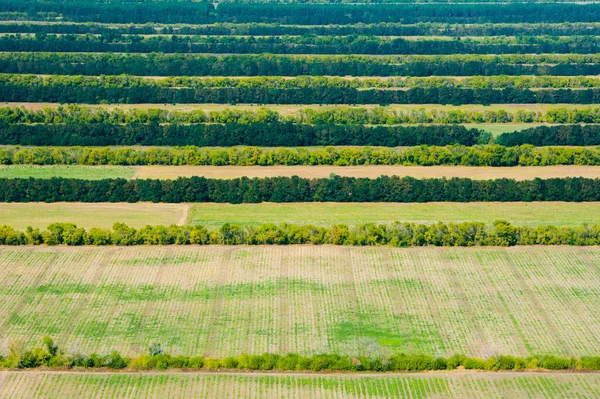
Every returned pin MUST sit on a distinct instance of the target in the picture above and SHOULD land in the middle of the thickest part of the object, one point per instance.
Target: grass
(221, 301)
(327, 214)
(73, 172)
(102, 215)
(193, 385)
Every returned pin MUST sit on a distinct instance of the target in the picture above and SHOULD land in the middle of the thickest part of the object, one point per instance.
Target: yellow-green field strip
(211, 215)
(54, 385)
(322, 171)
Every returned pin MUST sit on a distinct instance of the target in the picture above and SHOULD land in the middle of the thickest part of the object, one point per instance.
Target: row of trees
(275, 29)
(304, 14)
(303, 82)
(26, 91)
(281, 65)
(553, 135)
(51, 355)
(306, 44)
(75, 114)
(489, 155)
(296, 189)
(232, 134)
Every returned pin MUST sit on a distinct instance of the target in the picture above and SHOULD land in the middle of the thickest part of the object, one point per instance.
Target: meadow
(48, 385)
(221, 300)
(67, 171)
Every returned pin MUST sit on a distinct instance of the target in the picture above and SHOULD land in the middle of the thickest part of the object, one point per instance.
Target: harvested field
(326, 214)
(102, 215)
(221, 301)
(372, 171)
(51, 385)
(70, 172)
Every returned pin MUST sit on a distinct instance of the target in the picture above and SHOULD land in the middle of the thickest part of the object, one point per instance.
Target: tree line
(233, 134)
(397, 234)
(577, 135)
(313, 65)
(20, 89)
(296, 189)
(303, 14)
(488, 155)
(303, 82)
(276, 29)
(306, 44)
(50, 355)
(75, 114)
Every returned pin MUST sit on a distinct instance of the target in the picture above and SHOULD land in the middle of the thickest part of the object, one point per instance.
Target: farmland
(50, 385)
(235, 171)
(220, 301)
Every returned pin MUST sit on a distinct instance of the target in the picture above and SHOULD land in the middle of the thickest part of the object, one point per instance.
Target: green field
(71, 172)
(102, 215)
(192, 385)
(219, 301)
(327, 214)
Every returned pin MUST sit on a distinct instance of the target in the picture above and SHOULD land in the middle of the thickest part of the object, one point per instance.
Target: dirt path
(185, 214)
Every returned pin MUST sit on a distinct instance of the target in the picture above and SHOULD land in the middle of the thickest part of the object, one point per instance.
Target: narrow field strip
(49, 385)
(102, 215)
(327, 214)
(372, 171)
(67, 171)
(221, 301)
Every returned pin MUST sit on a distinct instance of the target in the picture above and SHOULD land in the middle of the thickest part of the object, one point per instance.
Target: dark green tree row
(262, 29)
(31, 91)
(274, 65)
(296, 189)
(232, 134)
(489, 155)
(307, 44)
(304, 14)
(584, 135)
(51, 355)
(397, 234)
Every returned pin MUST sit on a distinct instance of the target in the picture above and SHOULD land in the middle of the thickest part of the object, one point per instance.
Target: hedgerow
(500, 233)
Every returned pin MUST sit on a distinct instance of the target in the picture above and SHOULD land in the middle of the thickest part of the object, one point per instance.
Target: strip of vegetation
(553, 135)
(307, 44)
(50, 355)
(315, 65)
(466, 234)
(296, 189)
(21, 88)
(312, 82)
(75, 114)
(231, 134)
(489, 155)
(303, 14)
(264, 29)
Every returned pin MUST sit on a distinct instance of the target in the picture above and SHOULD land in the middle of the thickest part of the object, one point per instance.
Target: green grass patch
(68, 172)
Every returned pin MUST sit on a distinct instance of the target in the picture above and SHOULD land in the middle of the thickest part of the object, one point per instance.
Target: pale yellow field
(373, 171)
(103, 215)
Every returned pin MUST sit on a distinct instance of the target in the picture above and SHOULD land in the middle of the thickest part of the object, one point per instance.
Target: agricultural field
(219, 301)
(327, 214)
(102, 215)
(231, 172)
(106, 107)
(50, 385)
